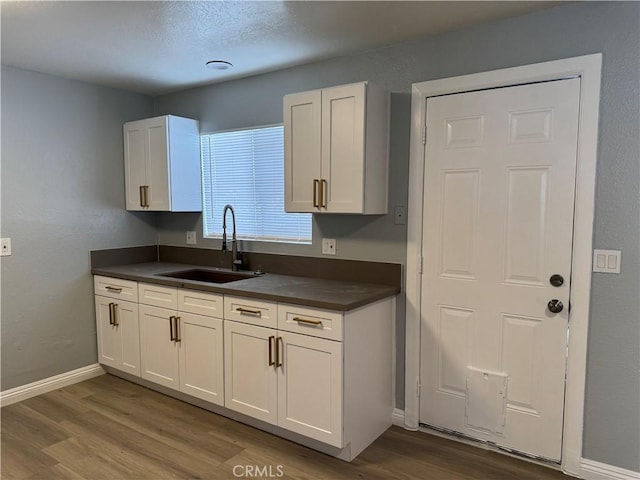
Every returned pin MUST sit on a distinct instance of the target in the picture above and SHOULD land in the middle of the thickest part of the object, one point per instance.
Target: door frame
(588, 68)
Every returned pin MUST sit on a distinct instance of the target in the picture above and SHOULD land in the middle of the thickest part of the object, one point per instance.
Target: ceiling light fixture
(219, 65)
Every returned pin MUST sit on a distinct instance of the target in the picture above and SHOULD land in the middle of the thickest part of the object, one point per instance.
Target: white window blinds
(245, 168)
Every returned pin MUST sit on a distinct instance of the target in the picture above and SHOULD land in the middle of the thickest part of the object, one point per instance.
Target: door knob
(556, 280)
(555, 306)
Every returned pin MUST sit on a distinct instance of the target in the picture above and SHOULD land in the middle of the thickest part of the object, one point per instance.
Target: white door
(343, 123)
(302, 114)
(498, 220)
(159, 350)
(250, 380)
(310, 387)
(201, 357)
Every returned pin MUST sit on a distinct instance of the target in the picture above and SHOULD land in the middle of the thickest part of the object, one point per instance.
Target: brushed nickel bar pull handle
(113, 289)
(111, 314)
(171, 334)
(178, 336)
(316, 184)
(146, 195)
(271, 339)
(323, 193)
(279, 361)
(115, 314)
(247, 311)
(304, 320)
(142, 195)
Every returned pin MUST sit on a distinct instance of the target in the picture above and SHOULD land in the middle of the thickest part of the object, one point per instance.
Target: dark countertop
(311, 292)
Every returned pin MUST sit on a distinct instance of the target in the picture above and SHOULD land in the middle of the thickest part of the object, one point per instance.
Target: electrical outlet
(5, 247)
(191, 238)
(400, 215)
(329, 246)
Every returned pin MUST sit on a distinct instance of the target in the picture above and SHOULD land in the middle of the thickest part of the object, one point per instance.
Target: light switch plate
(607, 261)
(191, 238)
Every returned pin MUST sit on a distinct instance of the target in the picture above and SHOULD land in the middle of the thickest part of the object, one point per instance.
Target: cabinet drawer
(200, 303)
(158, 295)
(316, 322)
(256, 312)
(116, 288)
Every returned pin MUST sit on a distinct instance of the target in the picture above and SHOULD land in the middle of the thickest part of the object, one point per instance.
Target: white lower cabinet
(182, 351)
(118, 337)
(172, 337)
(286, 379)
(323, 375)
(117, 323)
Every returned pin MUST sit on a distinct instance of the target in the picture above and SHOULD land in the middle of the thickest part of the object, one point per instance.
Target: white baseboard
(397, 417)
(34, 389)
(590, 470)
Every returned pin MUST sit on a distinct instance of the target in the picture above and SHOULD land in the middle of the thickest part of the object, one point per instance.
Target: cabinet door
(343, 135)
(109, 352)
(250, 383)
(302, 130)
(310, 387)
(201, 357)
(157, 157)
(118, 334)
(158, 352)
(135, 168)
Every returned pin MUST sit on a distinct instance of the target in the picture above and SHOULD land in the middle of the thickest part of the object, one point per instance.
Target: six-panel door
(498, 224)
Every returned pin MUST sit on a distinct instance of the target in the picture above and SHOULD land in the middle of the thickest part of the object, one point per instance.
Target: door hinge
(420, 262)
(424, 134)
(418, 388)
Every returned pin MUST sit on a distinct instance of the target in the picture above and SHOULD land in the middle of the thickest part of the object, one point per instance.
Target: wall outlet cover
(5, 247)
(400, 215)
(191, 238)
(329, 246)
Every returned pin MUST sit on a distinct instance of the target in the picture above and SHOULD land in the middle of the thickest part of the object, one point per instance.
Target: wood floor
(108, 428)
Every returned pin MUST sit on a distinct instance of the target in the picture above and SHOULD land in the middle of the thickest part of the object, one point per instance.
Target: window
(245, 168)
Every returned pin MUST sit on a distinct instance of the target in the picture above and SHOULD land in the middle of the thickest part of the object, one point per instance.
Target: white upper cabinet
(162, 164)
(336, 150)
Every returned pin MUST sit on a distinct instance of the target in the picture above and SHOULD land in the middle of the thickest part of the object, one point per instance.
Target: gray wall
(62, 195)
(612, 421)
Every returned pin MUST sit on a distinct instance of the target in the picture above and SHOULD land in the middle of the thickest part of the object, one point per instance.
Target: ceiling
(156, 47)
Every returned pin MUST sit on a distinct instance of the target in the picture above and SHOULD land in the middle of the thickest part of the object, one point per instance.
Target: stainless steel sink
(210, 276)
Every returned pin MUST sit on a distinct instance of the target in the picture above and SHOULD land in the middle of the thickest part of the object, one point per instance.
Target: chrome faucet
(234, 242)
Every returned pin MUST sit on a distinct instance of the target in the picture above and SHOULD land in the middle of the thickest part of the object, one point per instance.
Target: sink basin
(210, 276)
